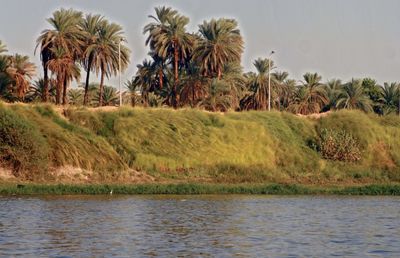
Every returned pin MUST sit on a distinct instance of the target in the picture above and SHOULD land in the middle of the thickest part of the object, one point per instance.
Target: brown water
(208, 225)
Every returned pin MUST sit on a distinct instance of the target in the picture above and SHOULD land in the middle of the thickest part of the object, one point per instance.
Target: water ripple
(223, 226)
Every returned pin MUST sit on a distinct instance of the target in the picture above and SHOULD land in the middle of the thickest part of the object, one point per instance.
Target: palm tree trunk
(45, 95)
(175, 97)
(65, 91)
(160, 77)
(58, 90)
(193, 96)
(101, 89)
(86, 96)
(133, 101)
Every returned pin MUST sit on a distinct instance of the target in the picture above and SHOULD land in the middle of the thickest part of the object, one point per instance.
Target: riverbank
(42, 144)
(190, 189)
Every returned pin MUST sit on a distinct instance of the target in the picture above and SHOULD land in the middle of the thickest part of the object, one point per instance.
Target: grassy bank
(271, 189)
(192, 146)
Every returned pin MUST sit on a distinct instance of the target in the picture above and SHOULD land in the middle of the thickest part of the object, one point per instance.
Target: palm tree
(145, 79)
(75, 96)
(258, 86)
(154, 29)
(280, 76)
(234, 82)
(163, 15)
(220, 43)
(288, 93)
(169, 40)
(390, 97)
(93, 91)
(193, 86)
(5, 79)
(281, 89)
(72, 72)
(91, 26)
(353, 96)
(3, 47)
(105, 61)
(218, 98)
(66, 34)
(109, 96)
(333, 88)
(37, 90)
(154, 100)
(133, 89)
(310, 97)
(64, 68)
(21, 71)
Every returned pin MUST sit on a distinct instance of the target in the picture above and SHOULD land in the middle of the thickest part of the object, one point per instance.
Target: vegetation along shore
(190, 189)
(190, 120)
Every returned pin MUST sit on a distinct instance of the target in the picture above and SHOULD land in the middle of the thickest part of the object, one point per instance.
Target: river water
(205, 226)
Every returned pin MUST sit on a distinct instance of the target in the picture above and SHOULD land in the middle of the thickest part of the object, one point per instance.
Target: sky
(337, 38)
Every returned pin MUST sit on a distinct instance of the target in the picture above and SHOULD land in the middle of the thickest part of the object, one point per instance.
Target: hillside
(144, 145)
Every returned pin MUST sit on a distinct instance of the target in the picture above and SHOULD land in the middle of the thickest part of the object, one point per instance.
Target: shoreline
(7, 189)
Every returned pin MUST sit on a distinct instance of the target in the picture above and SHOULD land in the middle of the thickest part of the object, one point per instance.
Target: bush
(22, 147)
(339, 145)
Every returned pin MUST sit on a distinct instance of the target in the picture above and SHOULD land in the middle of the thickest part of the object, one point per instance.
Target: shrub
(339, 145)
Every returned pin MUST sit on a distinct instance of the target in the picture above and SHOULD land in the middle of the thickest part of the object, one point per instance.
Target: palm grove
(185, 69)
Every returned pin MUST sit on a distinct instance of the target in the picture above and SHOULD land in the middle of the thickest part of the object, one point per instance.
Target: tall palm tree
(353, 96)
(66, 34)
(160, 21)
(91, 26)
(258, 86)
(169, 40)
(106, 48)
(220, 43)
(158, 26)
(311, 96)
(21, 72)
(64, 68)
(390, 97)
(72, 72)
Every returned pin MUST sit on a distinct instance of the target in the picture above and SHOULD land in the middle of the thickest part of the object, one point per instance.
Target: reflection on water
(227, 225)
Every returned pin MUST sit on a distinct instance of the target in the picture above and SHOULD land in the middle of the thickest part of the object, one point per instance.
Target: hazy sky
(337, 38)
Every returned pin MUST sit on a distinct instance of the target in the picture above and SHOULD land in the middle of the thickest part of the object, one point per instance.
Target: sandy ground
(6, 174)
(74, 175)
(316, 115)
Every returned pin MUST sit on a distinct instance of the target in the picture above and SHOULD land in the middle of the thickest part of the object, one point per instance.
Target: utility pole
(119, 70)
(269, 80)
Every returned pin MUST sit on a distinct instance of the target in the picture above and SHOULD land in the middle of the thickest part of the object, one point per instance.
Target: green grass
(271, 189)
(193, 146)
